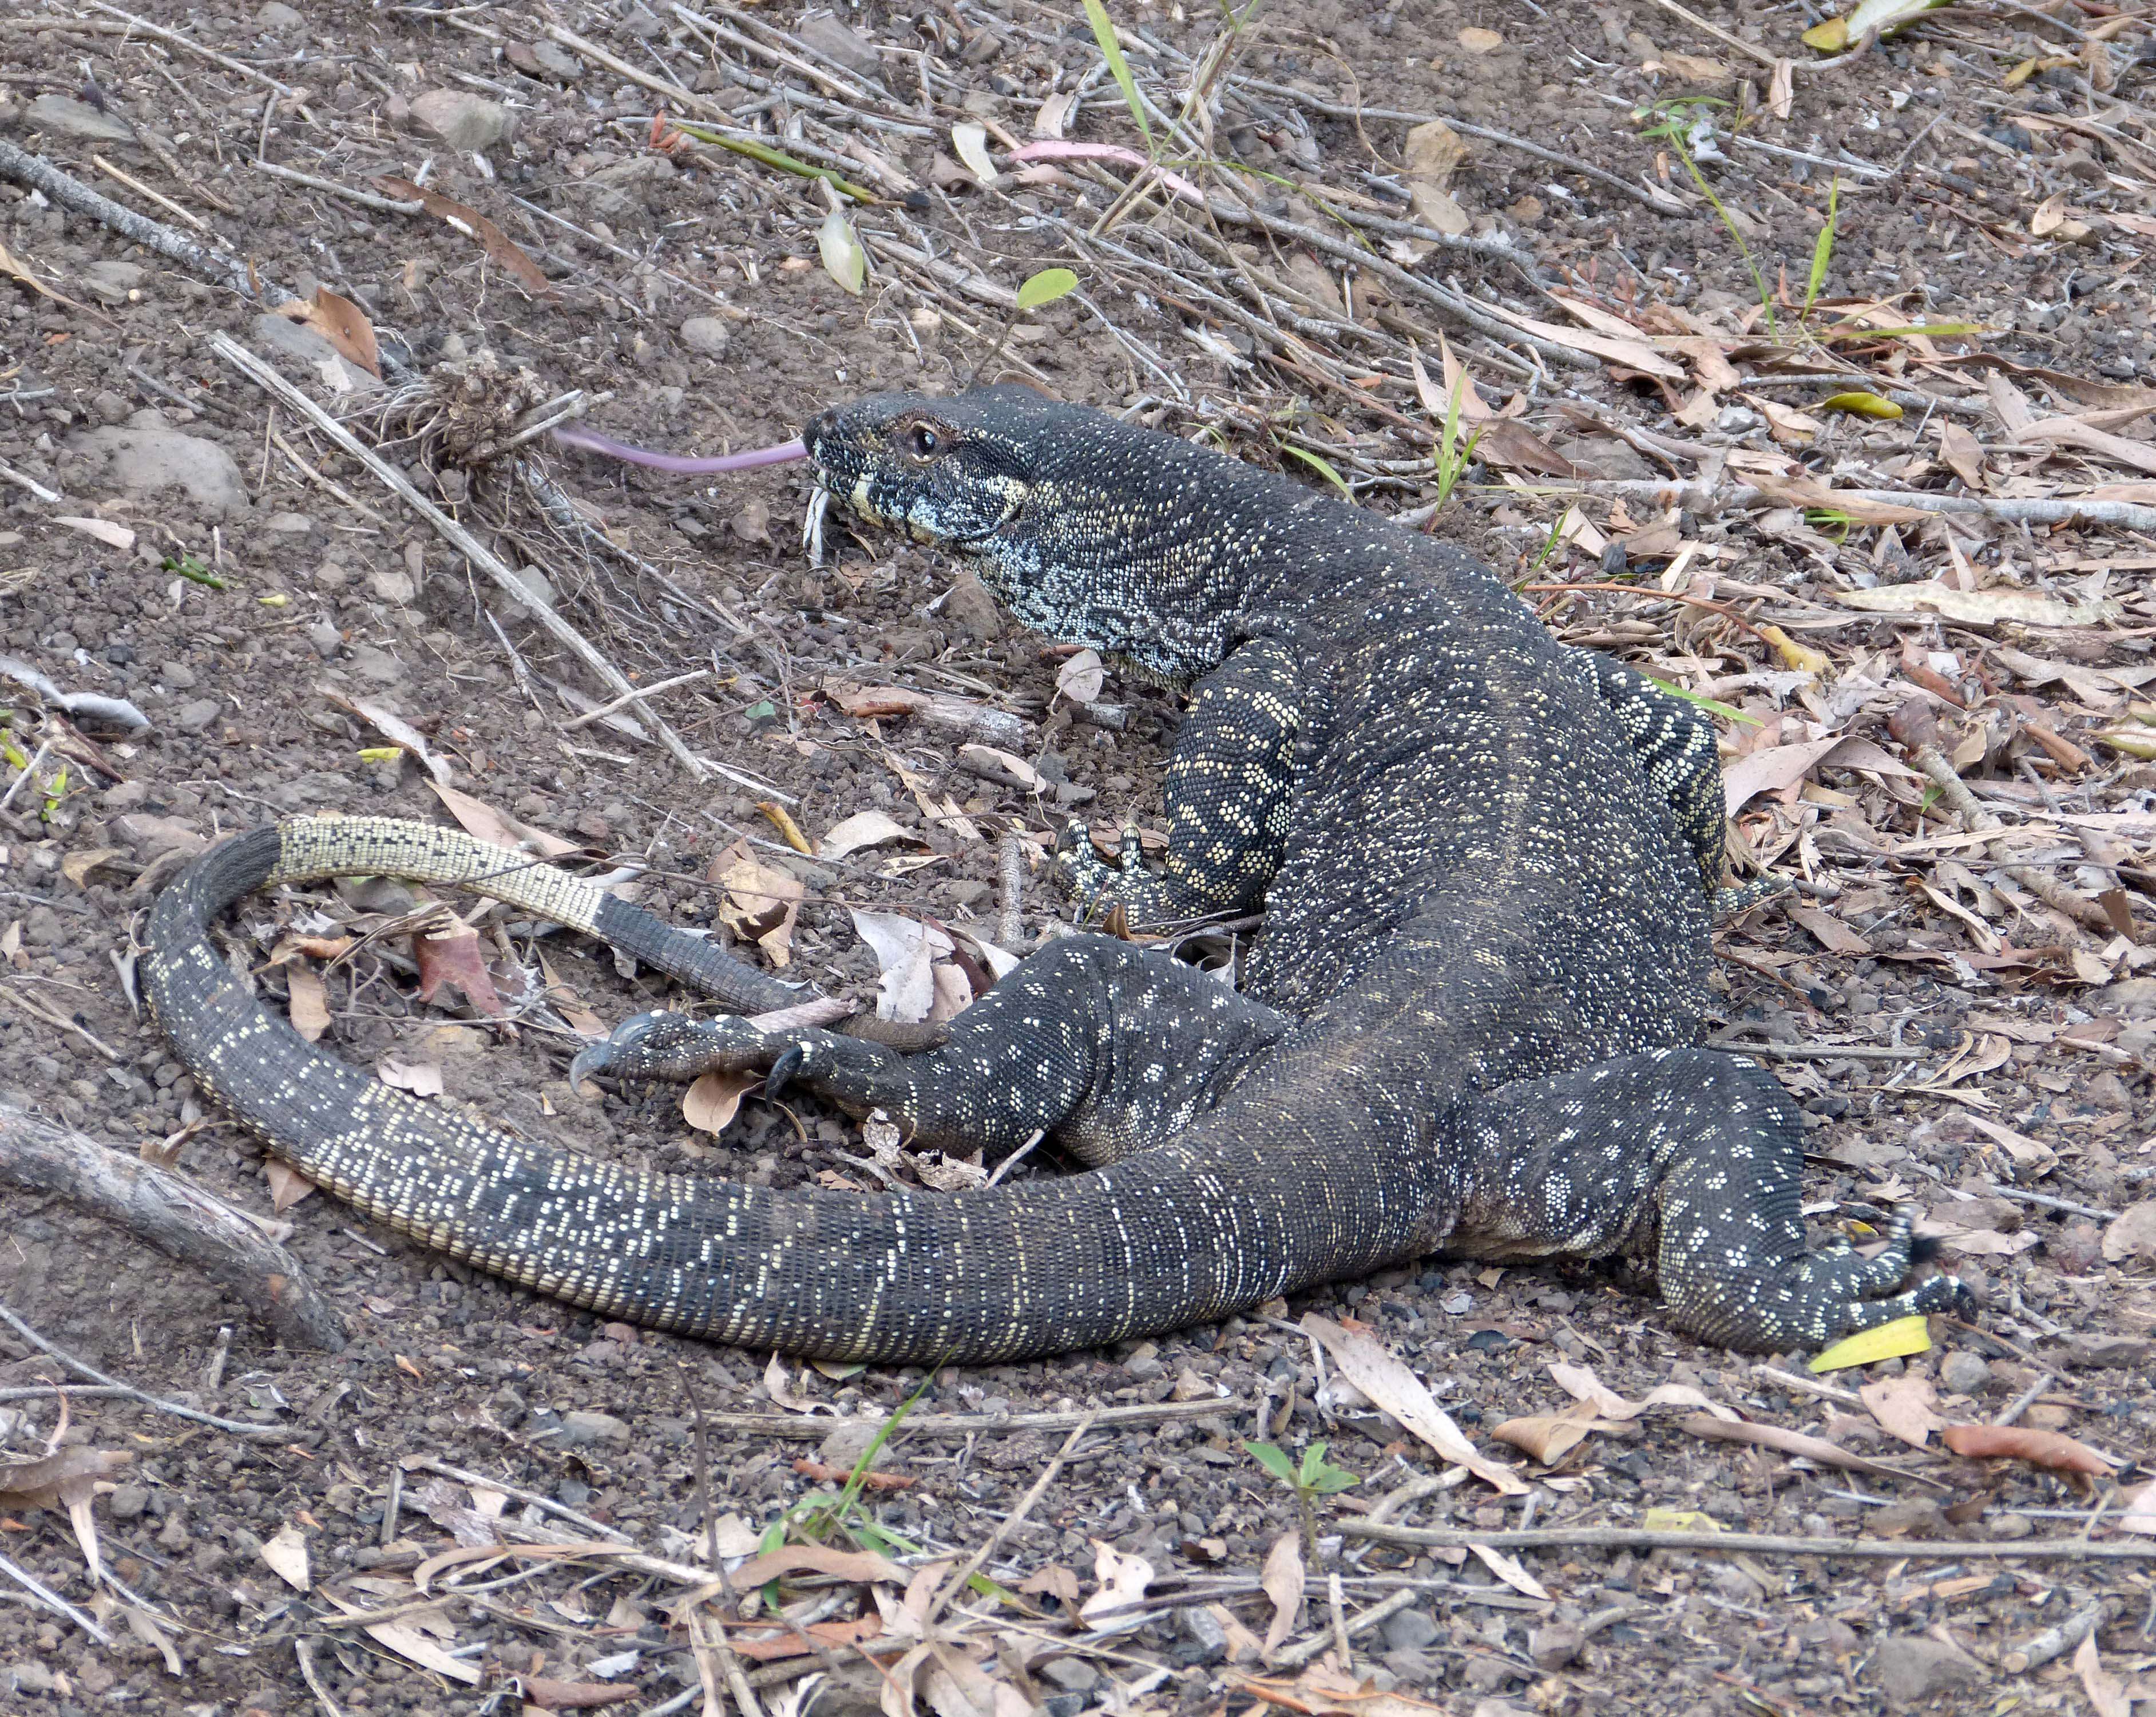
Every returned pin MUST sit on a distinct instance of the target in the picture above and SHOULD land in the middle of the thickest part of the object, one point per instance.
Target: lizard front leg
(1109, 1048)
(1230, 792)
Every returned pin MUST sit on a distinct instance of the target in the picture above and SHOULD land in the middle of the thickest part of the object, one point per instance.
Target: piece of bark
(172, 1214)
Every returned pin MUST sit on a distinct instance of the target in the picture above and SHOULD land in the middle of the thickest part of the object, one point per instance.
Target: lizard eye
(921, 440)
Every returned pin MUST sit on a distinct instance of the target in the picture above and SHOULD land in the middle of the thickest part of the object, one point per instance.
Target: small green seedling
(1044, 287)
(1453, 455)
(1313, 1478)
(187, 566)
(1823, 247)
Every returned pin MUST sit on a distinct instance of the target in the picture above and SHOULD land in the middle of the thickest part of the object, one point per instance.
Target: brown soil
(328, 594)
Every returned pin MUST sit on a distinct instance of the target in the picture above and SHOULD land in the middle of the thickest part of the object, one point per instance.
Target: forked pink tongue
(569, 435)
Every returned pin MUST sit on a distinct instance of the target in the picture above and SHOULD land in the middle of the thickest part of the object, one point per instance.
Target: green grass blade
(1112, 50)
(1323, 468)
(775, 157)
(1727, 711)
(1822, 250)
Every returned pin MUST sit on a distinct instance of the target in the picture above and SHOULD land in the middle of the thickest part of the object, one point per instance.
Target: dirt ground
(247, 586)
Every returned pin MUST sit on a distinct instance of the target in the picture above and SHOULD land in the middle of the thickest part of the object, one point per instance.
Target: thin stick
(1010, 1522)
(816, 1426)
(364, 199)
(303, 1648)
(476, 552)
(1700, 497)
(177, 40)
(1824, 1051)
(177, 1217)
(158, 197)
(1760, 1544)
(1749, 49)
(95, 1375)
(427, 1463)
(636, 696)
(1977, 820)
(71, 192)
(1345, 1627)
(45, 1595)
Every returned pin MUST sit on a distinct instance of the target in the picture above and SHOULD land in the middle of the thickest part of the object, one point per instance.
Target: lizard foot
(1092, 882)
(677, 1048)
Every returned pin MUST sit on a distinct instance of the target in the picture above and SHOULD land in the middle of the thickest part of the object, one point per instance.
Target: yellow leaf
(380, 753)
(1883, 1341)
(1863, 405)
(1828, 38)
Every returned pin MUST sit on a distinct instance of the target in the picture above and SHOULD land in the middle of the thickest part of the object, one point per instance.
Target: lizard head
(1086, 528)
(949, 471)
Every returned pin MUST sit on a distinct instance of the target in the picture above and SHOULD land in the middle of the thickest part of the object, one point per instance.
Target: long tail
(1264, 1196)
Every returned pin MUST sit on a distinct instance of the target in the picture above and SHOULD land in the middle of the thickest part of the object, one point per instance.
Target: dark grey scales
(1470, 1024)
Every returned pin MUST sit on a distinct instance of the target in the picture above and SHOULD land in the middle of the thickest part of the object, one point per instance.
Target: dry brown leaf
(343, 324)
(712, 1100)
(2107, 1693)
(863, 1565)
(906, 950)
(112, 535)
(472, 224)
(76, 866)
(2132, 1233)
(15, 270)
(285, 1553)
(788, 1642)
(999, 765)
(1123, 1580)
(758, 902)
(453, 957)
(1319, 1692)
(421, 1079)
(548, 1694)
(1432, 153)
(482, 821)
(1773, 768)
(1282, 1580)
(1548, 1438)
(307, 1000)
(1963, 453)
(1509, 1569)
(1635, 353)
(862, 829)
(1903, 1406)
(2073, 432)
(1380, 1375)
(48, 1481)
(410, 1645)
(1082, 678)
(1054, 1581)
(1476, 40)
(287, 1185)
(1828, 931)
(2053, 1449)
(2139, 1507)
(1998, 606)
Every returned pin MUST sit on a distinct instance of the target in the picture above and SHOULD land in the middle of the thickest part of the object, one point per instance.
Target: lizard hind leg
(1692, 1157)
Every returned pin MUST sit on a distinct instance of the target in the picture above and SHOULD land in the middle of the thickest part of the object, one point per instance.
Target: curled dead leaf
(2053, 1449)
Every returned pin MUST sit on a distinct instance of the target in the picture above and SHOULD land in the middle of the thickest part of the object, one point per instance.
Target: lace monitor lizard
(1471, 1023)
